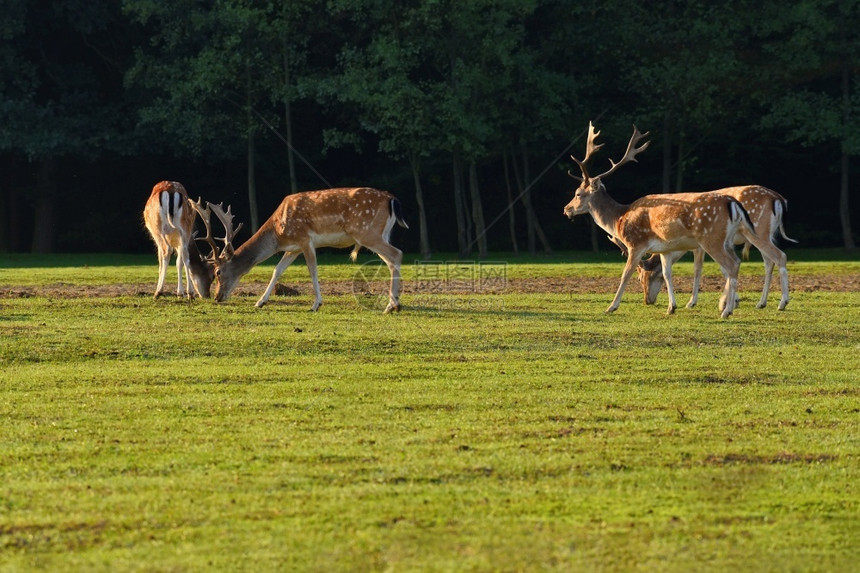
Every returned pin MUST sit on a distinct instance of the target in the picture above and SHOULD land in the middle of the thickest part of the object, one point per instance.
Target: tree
(817, 90)
(62, 101)
(207, 69)
(475, 59)
(382, 79)
(684, 69)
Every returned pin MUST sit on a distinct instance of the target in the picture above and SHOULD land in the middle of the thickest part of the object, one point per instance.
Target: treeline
(467, 110)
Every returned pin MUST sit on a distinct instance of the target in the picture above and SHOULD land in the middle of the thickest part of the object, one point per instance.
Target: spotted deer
(169, 218)
(766, 209)
(346, 217)
(660, 223)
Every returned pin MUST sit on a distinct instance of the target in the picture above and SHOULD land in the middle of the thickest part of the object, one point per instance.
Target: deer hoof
(391, 308)
(670, 310)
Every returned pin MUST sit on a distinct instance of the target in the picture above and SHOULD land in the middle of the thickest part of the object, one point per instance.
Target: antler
(226, 219)
(630, 154)
(205, 216)
(590, 148)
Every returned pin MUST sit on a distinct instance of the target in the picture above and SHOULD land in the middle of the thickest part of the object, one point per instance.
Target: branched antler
(590, 148)
(630, 154)
(205, 215)
(226, 218)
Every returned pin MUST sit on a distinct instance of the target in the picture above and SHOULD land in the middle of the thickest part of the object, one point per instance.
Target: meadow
(507, 426)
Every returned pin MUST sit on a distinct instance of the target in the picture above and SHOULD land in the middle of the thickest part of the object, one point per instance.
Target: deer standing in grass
(661, 223)
(766, 209)
(169, 218)
(346, 217)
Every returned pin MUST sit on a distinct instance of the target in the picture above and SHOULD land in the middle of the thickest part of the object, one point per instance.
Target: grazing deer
(661, 223)
(766, 209)
(169, 218)
(359, 217)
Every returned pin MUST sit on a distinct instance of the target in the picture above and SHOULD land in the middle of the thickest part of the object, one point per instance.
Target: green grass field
(509, 431)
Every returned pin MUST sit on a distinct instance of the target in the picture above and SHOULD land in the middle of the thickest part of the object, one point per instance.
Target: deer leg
(186, 265)
(768, 275)
(729, 264)
(629, 268)
(666, 263)
(392, 257)
(180, 266)
(163, 263)
(783, 280)
(772, 255)
(282, 265)
(698, 262)
(311, 260)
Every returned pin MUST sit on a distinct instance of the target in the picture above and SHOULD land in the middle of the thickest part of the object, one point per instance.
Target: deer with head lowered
(660, 223)
(766, 209)
(169, 218)
(346, 217)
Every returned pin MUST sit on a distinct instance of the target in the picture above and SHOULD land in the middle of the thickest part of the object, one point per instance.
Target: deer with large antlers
(766, 209)
(660, 223)
(169, 218)
(346, 217)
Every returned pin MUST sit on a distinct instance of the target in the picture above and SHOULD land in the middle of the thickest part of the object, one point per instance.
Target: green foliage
(816, 111)
(469, 432)
(55, 98)
(403, 85)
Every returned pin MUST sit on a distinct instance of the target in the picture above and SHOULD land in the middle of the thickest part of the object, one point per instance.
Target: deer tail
(739, 214)
(395, 210)
(780, 206)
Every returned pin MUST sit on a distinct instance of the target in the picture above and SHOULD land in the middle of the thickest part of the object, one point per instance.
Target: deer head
(219, 258)
(589, 185)
(650, 272)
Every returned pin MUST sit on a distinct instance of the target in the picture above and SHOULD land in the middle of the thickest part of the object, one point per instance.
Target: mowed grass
(470, 432)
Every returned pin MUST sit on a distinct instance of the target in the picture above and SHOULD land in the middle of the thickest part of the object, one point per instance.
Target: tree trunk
(5, 227)
(252, 177)
(288, 119)
(463, 231)
(667, 153)
(679, 169)
(595, 235)
(423, 235)
(844, 211)
(530, 212)
(44, 229)
(252, 183)
(477, 211)
(525, 198)
(512, 220)
(16, 242)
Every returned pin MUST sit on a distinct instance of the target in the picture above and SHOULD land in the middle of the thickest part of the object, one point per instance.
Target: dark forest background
(466, 110)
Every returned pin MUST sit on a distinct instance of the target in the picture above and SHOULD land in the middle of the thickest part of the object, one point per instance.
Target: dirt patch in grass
(778, 458)
(555, 285)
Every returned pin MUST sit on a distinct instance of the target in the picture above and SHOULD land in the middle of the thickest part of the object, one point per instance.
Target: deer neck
(606, 211)
(262, 245)
(198, 267)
